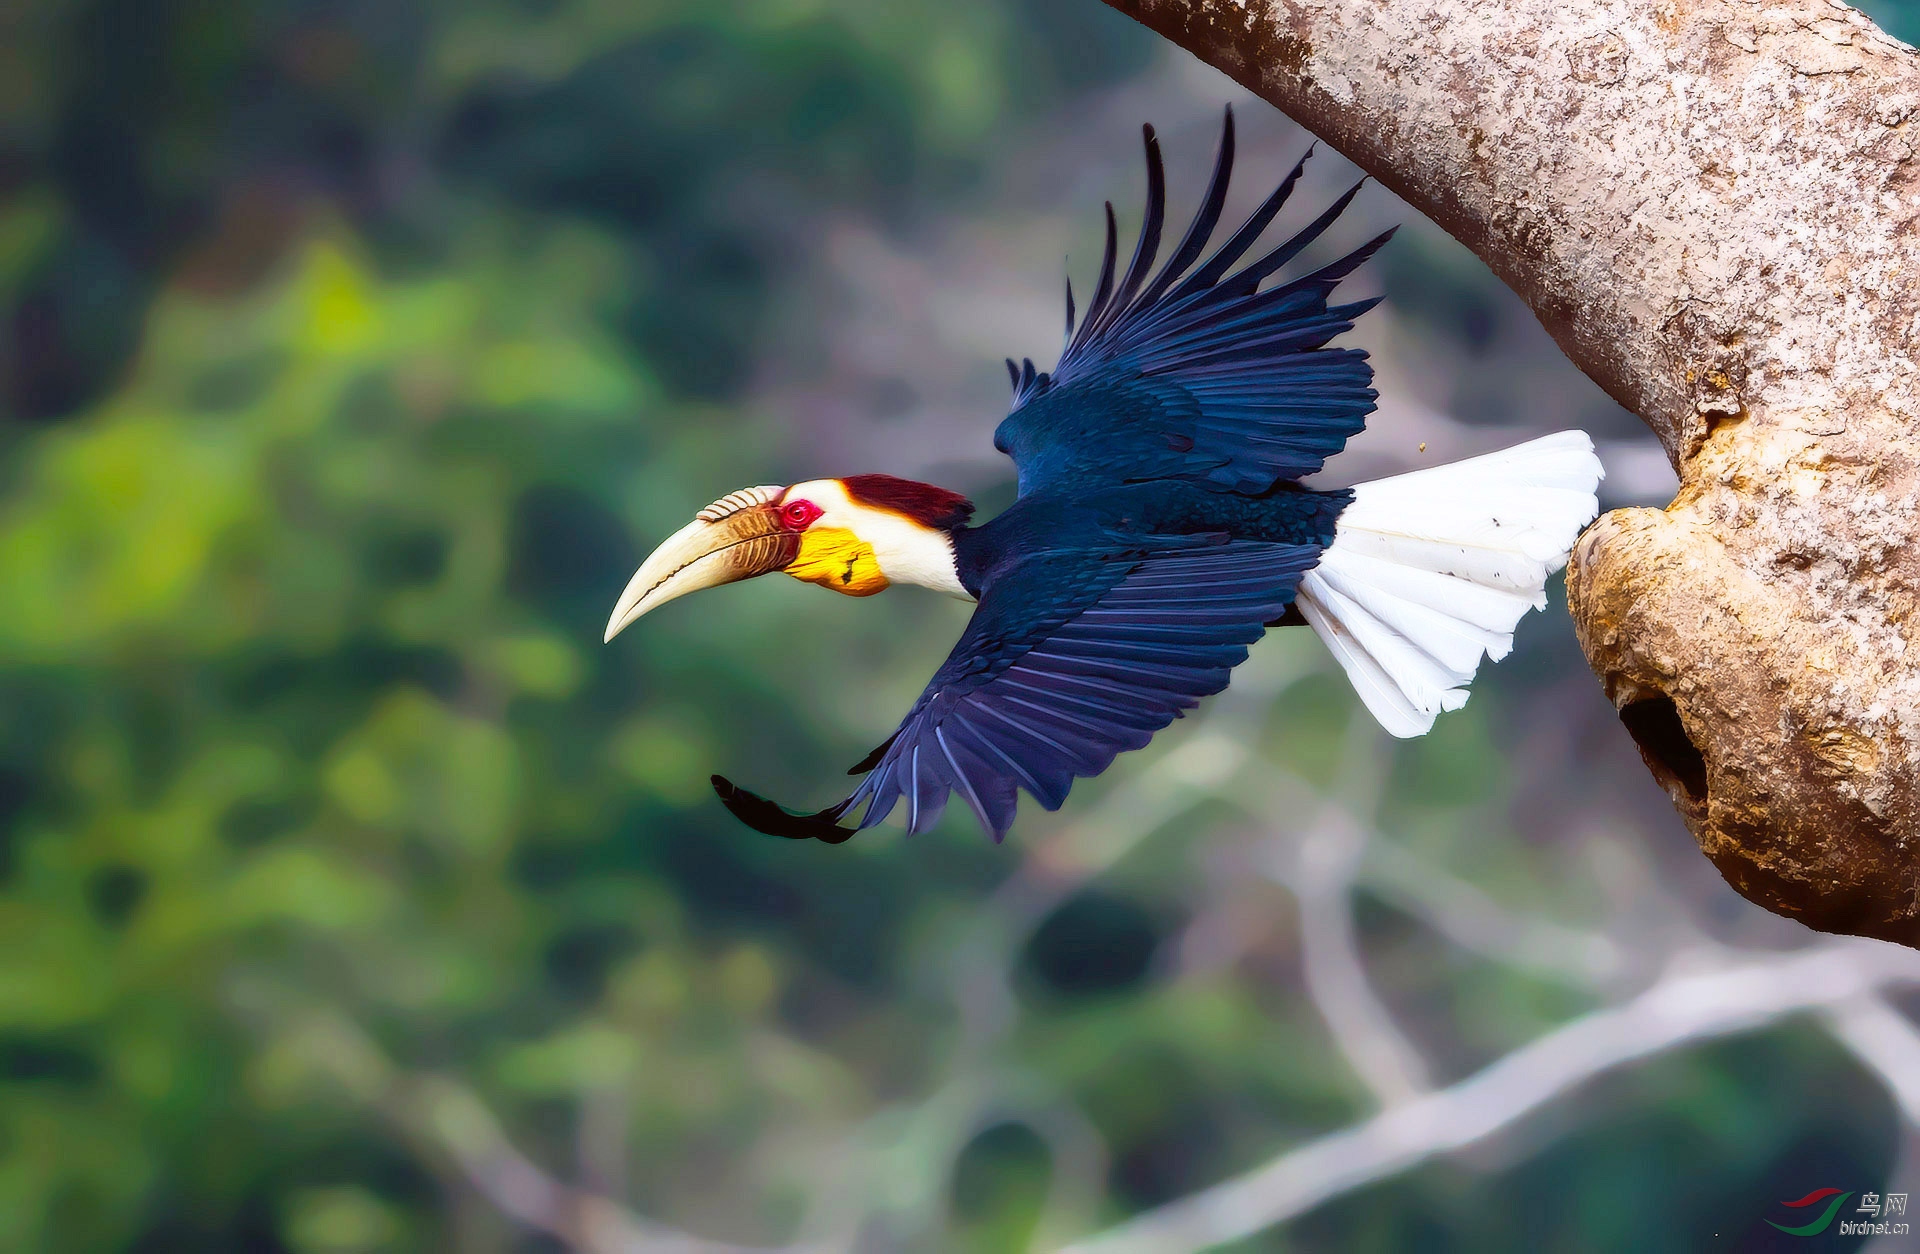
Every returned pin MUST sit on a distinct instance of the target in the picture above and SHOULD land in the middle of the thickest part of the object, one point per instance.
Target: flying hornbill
(1160, 528)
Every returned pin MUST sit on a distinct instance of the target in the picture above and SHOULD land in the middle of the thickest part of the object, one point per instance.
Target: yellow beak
(735, 538)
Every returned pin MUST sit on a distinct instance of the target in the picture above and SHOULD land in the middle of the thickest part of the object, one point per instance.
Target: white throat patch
(907, 552)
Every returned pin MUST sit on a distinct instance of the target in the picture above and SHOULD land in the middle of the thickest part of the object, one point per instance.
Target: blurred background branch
(1739, 994)
(453, 1122)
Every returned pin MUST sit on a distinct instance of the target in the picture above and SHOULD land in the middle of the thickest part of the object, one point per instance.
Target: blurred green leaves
(364, 340)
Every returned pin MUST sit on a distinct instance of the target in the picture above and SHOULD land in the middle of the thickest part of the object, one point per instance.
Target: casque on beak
(737, 537)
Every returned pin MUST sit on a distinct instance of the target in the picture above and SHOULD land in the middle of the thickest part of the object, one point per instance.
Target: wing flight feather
(1070, 660)
(1194, 373)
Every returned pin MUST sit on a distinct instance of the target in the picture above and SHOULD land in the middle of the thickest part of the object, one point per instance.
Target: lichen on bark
(1711, 205)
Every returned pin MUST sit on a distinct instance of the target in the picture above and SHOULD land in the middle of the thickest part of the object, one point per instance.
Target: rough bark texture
(1711, 205)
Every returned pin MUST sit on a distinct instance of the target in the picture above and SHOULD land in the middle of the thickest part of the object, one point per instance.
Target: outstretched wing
(1197, 374)
(1070, 659)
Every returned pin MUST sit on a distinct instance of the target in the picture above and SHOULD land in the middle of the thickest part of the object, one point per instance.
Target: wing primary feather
(1010, 680)
(966, 784)
(873, 759)
(872, 786)
(1250, 277)
(1027, 780)
(1021, 725)
(1013, 374)
(1069, 337)
(1148, 246)
(1350, 313)
(1056, 713)
(913, 790)
(1103, 290)
(774, 819)
(1333, 272)
(1098, 685)
(1051, 798)
(1149, 676)
(1222, 261)
(1200, 230)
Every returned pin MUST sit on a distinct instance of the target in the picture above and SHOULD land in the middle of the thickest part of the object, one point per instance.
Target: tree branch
(1709, 204)
(1685, 1007)
(1321, 874)
(450, 1120)
(1883, 1039)
(1469, 918)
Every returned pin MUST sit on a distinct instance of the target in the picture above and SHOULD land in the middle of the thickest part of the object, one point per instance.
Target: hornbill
(1159, 529)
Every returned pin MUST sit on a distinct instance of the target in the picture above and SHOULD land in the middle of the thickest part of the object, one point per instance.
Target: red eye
(799, 515)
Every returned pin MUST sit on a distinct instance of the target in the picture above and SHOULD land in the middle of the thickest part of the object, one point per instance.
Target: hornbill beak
(735, 538)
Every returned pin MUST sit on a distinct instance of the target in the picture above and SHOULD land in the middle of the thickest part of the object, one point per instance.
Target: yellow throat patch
(834, 557)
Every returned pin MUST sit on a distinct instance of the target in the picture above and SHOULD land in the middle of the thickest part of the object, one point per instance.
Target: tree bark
(1711, 205)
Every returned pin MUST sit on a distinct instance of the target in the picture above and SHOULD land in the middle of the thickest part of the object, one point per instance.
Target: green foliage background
(352, 355)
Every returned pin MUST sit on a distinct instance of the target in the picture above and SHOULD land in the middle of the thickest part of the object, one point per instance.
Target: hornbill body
(1159, 530)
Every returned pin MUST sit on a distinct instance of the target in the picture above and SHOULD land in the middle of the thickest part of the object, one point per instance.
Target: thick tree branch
(1710, 204)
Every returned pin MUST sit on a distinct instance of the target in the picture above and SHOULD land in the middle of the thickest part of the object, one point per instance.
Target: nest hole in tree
(1654, 723)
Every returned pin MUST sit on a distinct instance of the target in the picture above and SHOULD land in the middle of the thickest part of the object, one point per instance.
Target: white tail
(1431, 569)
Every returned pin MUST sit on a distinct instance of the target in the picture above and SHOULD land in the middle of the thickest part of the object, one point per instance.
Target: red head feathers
(926, 504)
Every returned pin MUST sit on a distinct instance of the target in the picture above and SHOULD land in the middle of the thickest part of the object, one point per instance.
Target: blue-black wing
(1195, 373)
(1070, 659)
